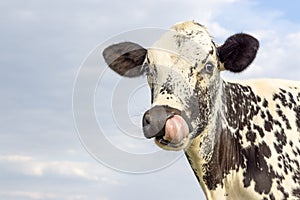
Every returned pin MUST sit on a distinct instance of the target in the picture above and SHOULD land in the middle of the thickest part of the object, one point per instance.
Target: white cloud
(27, 195)
(19, 194)
(31, 166)
(218, 31)
(278, 55)
(293, 40)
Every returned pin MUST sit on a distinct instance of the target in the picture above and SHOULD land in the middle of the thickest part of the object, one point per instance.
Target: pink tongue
(176, 129)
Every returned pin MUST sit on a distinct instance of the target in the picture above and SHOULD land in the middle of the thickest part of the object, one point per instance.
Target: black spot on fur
(296, 176)
(271, 196)
(296, 192)
(297, 112)
(263, 115)
(257, 168)
(281, 137)
(265, 103)
(278, 148)
(251, 136)
(268, 126)
(281, 189)
(284, 118)
(167, 87)
(258, 99)
(260, 130)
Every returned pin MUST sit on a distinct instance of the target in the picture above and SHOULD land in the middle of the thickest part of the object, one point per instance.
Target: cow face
(183, 71)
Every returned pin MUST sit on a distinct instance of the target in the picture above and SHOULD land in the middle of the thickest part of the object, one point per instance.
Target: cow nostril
(146, 119)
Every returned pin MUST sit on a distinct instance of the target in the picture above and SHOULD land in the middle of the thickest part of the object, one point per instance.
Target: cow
(241, 138)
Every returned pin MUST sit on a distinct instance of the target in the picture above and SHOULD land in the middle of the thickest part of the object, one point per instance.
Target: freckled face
(182, 68)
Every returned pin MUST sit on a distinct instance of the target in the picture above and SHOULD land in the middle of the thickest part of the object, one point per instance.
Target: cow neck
(217, 150)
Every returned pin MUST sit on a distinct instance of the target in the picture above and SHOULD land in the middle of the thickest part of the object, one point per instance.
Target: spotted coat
(244, 137)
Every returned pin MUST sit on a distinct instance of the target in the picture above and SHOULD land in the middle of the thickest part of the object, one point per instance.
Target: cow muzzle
(168, 126)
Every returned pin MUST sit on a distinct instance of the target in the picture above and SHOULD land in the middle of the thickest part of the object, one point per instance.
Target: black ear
(238, 52)
(125, 58)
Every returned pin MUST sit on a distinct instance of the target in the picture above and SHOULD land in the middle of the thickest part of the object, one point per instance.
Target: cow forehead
(188, 40)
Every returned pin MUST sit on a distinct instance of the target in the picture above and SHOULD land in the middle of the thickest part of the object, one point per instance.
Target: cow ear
(238, 52)
(125, 58)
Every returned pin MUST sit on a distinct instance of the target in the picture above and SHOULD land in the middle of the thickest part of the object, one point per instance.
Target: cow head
(183, 71)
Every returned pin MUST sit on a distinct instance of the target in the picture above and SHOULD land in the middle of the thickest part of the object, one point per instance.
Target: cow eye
(209, 67)
(146, 69)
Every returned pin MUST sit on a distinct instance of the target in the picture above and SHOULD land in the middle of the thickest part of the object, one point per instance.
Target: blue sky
(43, 44)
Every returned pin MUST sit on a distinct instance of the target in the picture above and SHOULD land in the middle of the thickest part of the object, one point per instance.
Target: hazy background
(42, 46)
